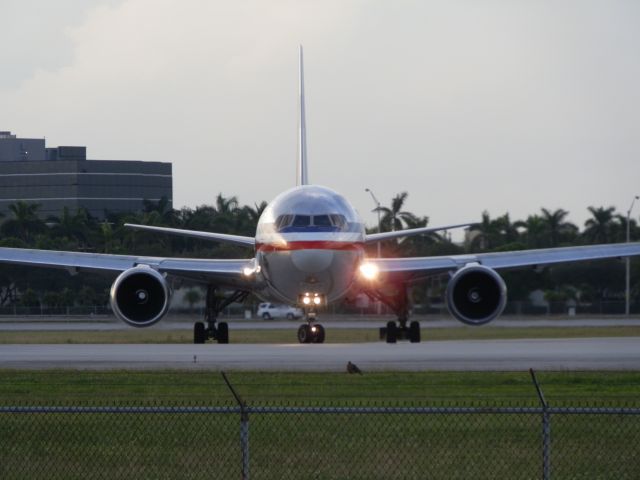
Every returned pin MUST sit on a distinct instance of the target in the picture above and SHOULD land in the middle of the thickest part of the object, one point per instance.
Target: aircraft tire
(414, 332)
(304, 333)
(223, 332)
(392, 332)
(319, 336)
(199, 334)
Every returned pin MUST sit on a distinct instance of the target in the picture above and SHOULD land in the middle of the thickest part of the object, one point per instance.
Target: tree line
(23, 227)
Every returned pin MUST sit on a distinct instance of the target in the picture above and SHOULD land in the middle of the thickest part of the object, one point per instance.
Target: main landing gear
(214, 305)
(401, 329)
(395, 331)
(311, 332)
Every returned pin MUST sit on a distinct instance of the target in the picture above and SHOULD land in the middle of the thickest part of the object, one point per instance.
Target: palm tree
(160, 212)
(598, 228)
(73, 227)
(394, 218)
(226, 214)
(249, 216)
(25, 221)
(555, 225)
(484, 235)
(535, 229)
(507, 231)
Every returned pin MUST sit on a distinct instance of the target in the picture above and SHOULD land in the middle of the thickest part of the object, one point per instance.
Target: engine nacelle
(476, 295)
(140, 296)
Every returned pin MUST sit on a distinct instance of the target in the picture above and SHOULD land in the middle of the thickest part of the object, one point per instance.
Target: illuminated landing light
(309, 299)
(369, 271)
(251, 269)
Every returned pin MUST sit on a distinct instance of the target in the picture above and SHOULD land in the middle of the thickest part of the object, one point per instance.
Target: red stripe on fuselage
(309, 245)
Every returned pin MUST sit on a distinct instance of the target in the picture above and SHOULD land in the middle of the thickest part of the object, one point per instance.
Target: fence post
(546, 429)
(244, 428)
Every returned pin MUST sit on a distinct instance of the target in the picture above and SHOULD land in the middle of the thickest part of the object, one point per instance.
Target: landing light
(251, 270)
(309, 298)
(369, 271)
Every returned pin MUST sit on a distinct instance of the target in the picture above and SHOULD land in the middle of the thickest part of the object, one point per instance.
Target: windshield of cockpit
(309, 209)
(333, 222)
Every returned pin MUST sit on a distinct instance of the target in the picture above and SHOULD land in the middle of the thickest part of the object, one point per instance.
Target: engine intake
(140, 296)
(476, 295)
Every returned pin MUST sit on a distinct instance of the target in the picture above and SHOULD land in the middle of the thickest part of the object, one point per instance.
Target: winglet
(301, 173)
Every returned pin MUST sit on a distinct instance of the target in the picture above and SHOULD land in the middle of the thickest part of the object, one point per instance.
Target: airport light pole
(377, 209)
(627, 295)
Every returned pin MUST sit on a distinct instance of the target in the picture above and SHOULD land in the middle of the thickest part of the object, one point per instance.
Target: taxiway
(470, 355)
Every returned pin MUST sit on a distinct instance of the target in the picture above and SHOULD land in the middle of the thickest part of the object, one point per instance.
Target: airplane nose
(313, 261)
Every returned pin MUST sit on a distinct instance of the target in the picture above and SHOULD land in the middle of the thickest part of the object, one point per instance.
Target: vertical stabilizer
(302, 172)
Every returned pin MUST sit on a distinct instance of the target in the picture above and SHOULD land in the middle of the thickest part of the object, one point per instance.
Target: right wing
(225, 273)
(378, 237)
(217, 237)
(422, 267)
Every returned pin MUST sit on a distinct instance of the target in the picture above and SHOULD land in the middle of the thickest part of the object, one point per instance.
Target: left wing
(421, 267)
(216, 237)
(228, 273)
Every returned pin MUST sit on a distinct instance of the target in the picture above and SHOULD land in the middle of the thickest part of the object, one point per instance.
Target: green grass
(314, 445)
(64, 386)
(334, 335)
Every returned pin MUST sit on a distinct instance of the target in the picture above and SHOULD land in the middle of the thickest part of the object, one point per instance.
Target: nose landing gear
(311, 332)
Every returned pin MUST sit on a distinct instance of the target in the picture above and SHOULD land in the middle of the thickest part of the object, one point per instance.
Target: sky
(503, 106)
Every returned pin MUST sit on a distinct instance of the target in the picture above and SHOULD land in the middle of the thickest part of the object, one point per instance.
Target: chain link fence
(321, 441)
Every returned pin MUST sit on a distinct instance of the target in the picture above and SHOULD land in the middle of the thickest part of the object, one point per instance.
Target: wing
(377, 237)
(227, 273)
(421, 267)
(216, 237)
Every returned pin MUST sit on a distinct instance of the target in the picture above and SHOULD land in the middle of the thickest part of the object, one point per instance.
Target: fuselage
(309, 241)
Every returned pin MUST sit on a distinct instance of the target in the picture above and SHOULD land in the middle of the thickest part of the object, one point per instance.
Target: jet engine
(476, 294)
(140, 296)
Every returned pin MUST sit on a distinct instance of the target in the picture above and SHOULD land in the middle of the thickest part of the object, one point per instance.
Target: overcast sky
(467, 105)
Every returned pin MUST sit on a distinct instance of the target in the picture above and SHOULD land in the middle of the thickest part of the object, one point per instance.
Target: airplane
(309, 250)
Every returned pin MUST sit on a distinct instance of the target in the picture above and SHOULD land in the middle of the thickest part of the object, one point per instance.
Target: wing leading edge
(421, 267)
(378, 237)
(228, 273)
(216, 237)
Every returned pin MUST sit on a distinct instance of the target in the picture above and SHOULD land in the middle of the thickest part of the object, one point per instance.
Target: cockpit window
(338, 221)
(283, 221)
(322, 221)
(301, 221)
(329, 222)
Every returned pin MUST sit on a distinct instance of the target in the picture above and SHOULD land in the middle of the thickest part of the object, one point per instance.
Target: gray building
(63, 177)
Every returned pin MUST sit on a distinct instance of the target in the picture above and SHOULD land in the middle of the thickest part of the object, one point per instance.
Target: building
(63, 177)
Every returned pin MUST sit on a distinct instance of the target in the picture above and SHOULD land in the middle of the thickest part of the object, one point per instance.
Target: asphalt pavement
(470, 355)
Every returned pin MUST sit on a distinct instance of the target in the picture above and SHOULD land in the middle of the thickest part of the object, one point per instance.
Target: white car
(274, 310)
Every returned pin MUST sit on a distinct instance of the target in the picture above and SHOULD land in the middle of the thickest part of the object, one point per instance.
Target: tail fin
(302, 173)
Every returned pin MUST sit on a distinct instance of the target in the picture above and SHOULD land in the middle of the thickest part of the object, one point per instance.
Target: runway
(333, 322)
(469, 355)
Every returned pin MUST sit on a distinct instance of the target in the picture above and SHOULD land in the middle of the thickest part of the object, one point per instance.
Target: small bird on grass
(353, 368)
